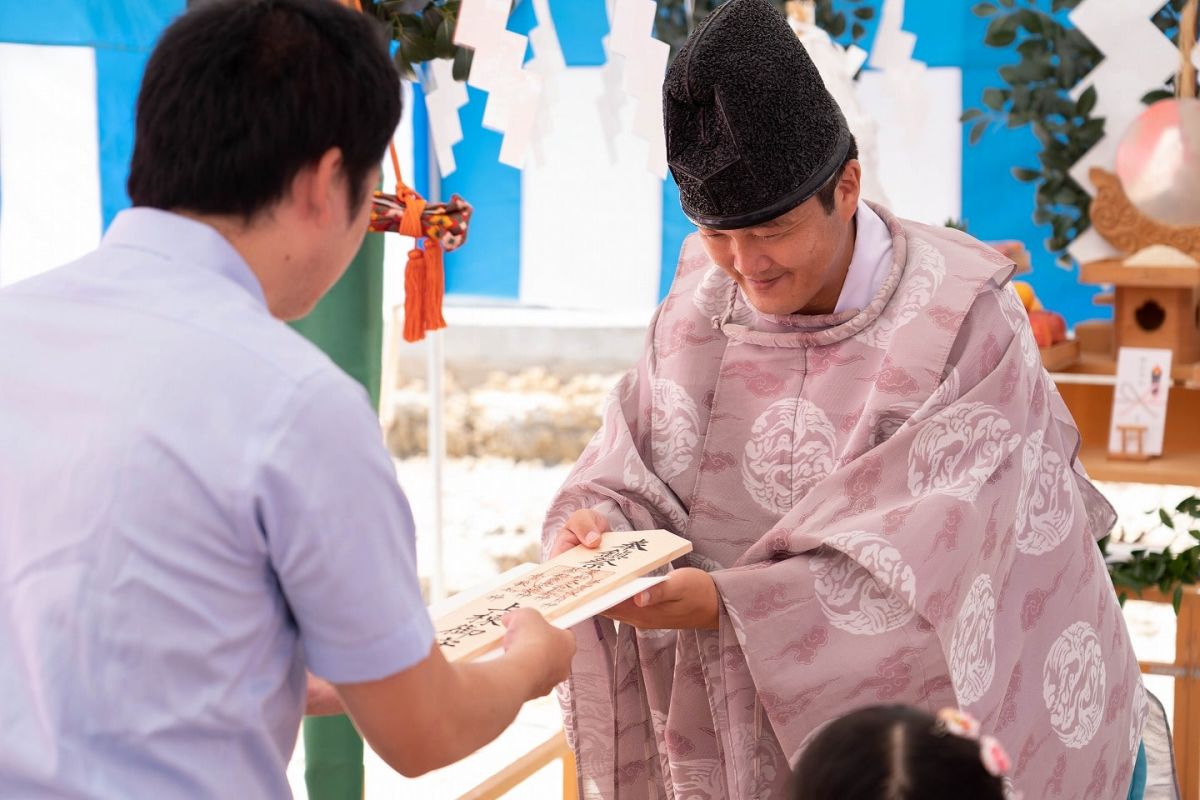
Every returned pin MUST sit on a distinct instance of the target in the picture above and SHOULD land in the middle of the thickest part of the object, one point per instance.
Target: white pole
(437, 457)
(437, 427)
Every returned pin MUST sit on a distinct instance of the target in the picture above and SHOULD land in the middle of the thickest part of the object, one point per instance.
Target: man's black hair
(240, 95)
(892, 753)
(826, 193)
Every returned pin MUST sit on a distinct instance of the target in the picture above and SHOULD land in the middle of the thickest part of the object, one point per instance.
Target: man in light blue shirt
(195, 503)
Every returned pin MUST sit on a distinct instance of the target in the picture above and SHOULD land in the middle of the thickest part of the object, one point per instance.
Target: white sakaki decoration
(1137, 57)
(639, 74)
(444, 96)
(916, 110)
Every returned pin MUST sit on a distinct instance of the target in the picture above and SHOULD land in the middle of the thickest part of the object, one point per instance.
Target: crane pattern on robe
(890, 504)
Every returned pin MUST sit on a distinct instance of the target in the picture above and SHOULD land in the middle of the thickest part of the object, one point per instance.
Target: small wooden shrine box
(1154, 306)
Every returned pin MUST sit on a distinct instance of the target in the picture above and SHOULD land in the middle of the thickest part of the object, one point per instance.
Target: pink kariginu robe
(890, 505)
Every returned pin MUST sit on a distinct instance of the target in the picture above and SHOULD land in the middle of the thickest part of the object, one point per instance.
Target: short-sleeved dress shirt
(195, 505)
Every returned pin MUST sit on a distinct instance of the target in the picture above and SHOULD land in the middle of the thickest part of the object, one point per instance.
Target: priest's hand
(581, 528)
(686, 599)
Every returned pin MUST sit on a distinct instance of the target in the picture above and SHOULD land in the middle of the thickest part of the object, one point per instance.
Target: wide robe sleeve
(632, 472)
(616, 473)
(941, 565)
(950, 559)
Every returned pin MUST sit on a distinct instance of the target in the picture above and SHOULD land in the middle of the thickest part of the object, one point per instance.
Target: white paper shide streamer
(639, 73)
(444, 97)
(892, 54)
(1137, 58)
(516, 92)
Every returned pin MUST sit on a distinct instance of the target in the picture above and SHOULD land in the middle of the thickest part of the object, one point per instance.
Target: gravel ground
(492, 514)
(493, 510)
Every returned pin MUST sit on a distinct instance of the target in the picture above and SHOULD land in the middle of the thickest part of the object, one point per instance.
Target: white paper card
(606, 601)
(444, 607)
(557, 587)
(595, 607)
(1140, 400)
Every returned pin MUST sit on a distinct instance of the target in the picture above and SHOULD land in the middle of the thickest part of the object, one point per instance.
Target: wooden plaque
(556, 587)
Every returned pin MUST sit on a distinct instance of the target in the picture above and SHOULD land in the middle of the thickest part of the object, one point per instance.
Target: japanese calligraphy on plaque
(556, 587)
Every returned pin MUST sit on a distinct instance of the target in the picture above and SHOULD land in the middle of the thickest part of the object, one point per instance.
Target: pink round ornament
(1158, 162)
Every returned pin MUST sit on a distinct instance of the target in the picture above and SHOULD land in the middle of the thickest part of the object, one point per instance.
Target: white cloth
(870, 263)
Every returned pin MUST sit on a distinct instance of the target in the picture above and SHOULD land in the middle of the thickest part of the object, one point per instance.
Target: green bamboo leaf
(977, 132)
(1157, 571)
(1165, 518)
(430, 20)
(1001, 38)
(993, 99)
(1190, 506)
(1087, 101)
(443, 43)
(1121, 578)
(1177, 598)
(984, 9)
(462, 64)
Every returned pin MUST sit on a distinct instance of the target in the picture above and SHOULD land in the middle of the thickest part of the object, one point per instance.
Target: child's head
(897, 753)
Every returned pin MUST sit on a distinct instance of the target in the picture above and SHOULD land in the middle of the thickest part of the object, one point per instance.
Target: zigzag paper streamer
(892, 54)
(514, 93)
(1137, 57)
(641, 71)
(548, 64)
(444, 96)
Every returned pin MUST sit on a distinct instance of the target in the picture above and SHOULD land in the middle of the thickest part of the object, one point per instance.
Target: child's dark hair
(892, 753)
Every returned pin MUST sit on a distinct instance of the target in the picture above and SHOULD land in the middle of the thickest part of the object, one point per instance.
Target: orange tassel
(435, 288)
(414, 296)
(424, 276)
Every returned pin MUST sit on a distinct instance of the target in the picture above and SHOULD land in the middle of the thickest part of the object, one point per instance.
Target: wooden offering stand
(1154, 305)
(1156, 290)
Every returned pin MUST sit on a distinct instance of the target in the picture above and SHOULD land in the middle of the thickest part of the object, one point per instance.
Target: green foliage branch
(1168, 572)
(1054, 57)
(424, 29)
